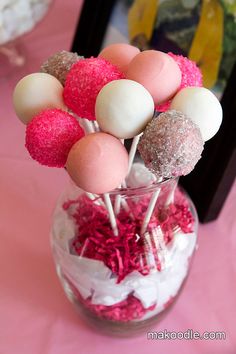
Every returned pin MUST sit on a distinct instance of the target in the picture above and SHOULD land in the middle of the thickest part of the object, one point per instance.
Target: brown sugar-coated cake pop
(59, 64)
(171, 145)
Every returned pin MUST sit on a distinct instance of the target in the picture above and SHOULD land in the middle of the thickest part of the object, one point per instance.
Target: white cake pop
(123, 108)
(202, 106)
(37, 92)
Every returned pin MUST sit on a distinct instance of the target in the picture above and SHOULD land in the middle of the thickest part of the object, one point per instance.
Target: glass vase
(123, 276)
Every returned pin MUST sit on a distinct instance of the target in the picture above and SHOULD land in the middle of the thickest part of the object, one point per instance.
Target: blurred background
(35, 315)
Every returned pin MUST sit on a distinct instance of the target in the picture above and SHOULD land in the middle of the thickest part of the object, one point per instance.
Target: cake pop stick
(132, 153)
(160, 246)
(111, 213)
(95, 198)
(149, 256)
(117, 204)
(119, 201)
(96, 126)
(87, 125)
(170, 198)
(149, 211)
(133, 150)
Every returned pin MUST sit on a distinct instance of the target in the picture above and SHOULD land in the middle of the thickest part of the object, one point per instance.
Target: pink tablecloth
(35, 316)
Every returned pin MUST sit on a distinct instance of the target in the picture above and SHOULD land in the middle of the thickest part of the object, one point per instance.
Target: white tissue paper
(94, 279)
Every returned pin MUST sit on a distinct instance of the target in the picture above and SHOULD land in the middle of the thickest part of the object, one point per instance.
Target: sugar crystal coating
(171, 145)
(59, 64)
(83, 83)
(191, 76)
(50, 136)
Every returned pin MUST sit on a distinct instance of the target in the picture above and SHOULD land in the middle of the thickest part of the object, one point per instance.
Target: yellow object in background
(207, 46)
(141, 18)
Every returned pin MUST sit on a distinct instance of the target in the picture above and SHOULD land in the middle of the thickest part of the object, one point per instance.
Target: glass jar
(123, 277)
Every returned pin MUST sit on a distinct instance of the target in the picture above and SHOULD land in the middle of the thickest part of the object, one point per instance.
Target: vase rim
(130, 191)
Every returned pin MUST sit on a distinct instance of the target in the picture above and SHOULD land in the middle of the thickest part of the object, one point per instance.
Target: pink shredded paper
(123, 253)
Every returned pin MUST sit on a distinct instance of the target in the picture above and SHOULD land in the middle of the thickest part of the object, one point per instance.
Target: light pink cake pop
(171, 145)
(50, 136)
(97, 163)
(83, 83)
(119, 54)
(157, 72)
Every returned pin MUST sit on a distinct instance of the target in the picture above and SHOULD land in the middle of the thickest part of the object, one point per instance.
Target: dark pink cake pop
(171, 145)
(191, 76)
(83, 83)
(50, 136)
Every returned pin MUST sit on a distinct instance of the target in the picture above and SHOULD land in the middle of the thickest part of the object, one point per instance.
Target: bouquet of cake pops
(78, 113)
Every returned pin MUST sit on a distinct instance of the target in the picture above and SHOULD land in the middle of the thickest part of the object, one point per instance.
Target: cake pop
(83, 83)
(123, 108)
(50, 136)
(202, 106)
(59, 64)
(35, 93)
(157, 72)
(191, 76)
(98, 163)
(120, 55)
(171, 145)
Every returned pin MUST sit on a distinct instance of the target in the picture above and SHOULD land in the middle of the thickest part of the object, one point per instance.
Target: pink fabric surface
(35, 316)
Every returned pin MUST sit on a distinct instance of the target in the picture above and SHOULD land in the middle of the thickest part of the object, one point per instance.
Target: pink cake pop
(120, 55)
(98, 163)
(50, 136)
(171, 145)
(83, 83)
(191, 76)
(157, 72)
